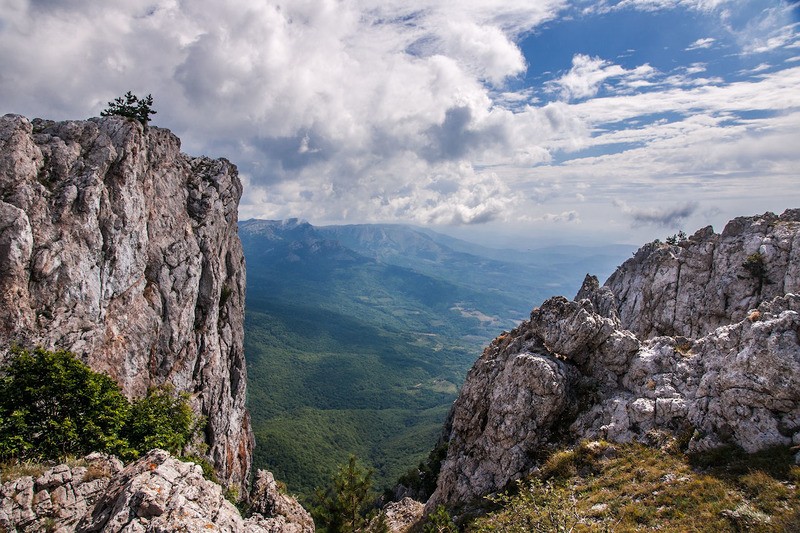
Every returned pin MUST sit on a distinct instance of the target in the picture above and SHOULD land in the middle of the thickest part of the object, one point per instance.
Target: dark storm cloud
(668, 217)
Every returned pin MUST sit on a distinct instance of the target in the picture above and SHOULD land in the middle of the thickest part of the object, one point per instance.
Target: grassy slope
(626, 488)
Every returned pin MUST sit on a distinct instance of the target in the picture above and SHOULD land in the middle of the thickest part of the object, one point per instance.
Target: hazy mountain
(525, 277)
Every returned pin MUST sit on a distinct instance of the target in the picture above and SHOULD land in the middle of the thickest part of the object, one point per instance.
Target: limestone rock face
(116, 246)
(275, 511)
(509, 405)
(157, 493)
(400, 517)
(59, 497)
(599, 367)
(701, 284)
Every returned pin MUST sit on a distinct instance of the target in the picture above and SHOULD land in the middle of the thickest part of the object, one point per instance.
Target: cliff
(696, 339)
(116, 246)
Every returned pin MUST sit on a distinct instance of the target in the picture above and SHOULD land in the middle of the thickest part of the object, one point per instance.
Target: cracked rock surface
(116, 246)
(681, 339)
(155, 494)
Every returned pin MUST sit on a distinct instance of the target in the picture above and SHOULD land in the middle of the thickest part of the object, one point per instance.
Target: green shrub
(232, 494)
(53, 405)
(344, 505)
(440, 521)
(756, 267)
(161, 419)
(676, 238)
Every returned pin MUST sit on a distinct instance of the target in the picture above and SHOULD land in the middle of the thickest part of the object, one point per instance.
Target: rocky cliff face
(703, 283)
(116, 246)
(698, 338)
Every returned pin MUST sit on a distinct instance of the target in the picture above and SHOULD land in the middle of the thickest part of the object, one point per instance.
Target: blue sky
(510, 122)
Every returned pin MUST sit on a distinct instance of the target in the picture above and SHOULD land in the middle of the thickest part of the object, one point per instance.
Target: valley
(357, 338)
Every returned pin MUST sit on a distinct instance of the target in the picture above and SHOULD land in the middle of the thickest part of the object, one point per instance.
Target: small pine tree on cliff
(343, 506)
(131, 106)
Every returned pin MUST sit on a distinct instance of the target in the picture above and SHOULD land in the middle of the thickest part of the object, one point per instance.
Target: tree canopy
(343, 506)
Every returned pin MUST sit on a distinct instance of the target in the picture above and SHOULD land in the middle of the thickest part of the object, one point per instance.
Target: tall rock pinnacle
(116, 246)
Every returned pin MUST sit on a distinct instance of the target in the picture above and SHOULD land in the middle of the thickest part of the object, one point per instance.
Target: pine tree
(131, 106)
(343, 506)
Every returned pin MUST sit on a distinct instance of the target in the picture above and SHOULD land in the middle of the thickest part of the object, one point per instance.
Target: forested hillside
(358, 337)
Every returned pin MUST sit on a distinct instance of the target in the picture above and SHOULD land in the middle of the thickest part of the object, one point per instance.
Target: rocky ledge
(119, 248)
(697, 339)
(154, 494)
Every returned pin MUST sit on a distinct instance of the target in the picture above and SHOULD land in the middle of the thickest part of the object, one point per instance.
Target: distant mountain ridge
(520, 277)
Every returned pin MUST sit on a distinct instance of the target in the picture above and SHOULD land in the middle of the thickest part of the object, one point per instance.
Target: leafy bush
(52, 405)
(130, 106)
(161, 419)
(440, 522)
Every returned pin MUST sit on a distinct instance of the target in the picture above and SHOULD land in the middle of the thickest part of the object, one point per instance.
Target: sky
(507, 122)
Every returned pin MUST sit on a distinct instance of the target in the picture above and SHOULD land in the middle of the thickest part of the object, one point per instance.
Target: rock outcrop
(116, 246)
(399, 517)
(602, 367)
(284, 512)
(702, 283)
(58, 498)
(156, 493)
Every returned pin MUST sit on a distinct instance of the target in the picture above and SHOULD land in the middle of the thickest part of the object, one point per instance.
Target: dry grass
(17, 469)
(97, 471)
(626, 488)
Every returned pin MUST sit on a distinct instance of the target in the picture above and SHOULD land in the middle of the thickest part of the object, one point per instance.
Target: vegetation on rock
(757, 269)
(343, 507)
(676, 238)
(440, 521)
(161, 419)
(52, 405)
(130, 106)
(597, 486)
